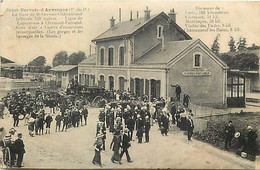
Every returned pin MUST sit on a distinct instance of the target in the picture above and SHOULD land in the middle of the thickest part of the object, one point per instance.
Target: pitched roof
(127, 28)
(63, 67)
(5, 60)
(159, 56)
(91, 60)
(172, 51)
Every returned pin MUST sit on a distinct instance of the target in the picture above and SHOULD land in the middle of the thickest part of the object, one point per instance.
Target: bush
(214, 133)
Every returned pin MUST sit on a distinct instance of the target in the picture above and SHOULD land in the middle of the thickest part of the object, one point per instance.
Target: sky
(242, 15)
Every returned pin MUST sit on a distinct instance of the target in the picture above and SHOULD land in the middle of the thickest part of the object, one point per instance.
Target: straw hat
(99, 136)
(249, 128)
(237, 135)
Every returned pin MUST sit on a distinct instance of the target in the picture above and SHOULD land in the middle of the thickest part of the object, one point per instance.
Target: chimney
(137, 14)
(112, 22)
(131, 15)
(147, 13)
(172, 15)
(119, 14)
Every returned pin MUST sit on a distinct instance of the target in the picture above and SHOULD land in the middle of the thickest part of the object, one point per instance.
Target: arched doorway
(101, 82)
(111, 82)
(121, 84)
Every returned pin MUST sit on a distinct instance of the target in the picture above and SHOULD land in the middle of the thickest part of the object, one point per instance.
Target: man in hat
(173, 112)
(189, 127)
(229, 134)
(85, 114)
(178, 92)
(251, 146)
(139, 128)
(19, 147)
(147, 127)
(48, 121)
(58, 119)
(65, 120)
(130, 123)
(125, 145)
(241, 142)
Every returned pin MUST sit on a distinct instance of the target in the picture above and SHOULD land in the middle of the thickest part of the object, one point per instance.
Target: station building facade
(150, 55)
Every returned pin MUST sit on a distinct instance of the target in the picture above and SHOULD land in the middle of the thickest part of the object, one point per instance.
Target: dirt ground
(74, 149)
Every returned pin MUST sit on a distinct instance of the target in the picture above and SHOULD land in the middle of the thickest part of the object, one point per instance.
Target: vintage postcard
(129, 84)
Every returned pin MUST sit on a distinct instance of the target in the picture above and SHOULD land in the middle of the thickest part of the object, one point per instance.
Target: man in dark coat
(251, 146)
(19, 149)
(16, 117)
(178, 92)
(130, 123)
(173, 112)
(189, 127)
(65, 120)
(84, 114)
(147, 127)
(125, 145)
(229, 134)
(48, 121)
(58, 119)
(139, 128)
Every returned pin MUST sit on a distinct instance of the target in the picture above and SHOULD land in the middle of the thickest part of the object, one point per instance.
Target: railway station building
(150, 55)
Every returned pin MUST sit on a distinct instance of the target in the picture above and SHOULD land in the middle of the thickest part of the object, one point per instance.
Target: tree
(76, 58)
(253, 47)
(215, 46)
(241, 44)
(61, 58)
(228, 59)
(243, 61)
(39, 61)
(247, 61)
(231, 44)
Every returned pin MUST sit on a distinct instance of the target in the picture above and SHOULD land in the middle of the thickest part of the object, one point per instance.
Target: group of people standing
(246, 143)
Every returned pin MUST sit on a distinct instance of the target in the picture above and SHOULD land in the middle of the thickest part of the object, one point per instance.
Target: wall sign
(196, 73)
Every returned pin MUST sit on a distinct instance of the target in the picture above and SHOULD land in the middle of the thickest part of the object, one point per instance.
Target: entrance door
(235, 90)
(121, 84)
(111, 82)
(153, 89)
(137, 87)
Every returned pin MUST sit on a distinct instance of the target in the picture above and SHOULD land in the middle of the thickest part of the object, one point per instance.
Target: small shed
(236, 90)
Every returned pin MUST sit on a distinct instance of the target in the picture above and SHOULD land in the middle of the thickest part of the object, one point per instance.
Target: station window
(102, 58)
(159, 31)
(197, 60)
(110, 56)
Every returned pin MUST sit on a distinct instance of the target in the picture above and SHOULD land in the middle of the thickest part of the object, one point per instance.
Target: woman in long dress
(116, 146)
(98, 147)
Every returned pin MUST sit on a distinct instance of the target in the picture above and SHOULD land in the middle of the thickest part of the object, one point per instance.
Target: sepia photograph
(129, 84)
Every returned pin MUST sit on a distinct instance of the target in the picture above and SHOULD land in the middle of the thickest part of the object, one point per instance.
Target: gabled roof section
(173, 52)
(91, 60)
(5, 60)
(159, 56)
(63, 67)
(128, 28)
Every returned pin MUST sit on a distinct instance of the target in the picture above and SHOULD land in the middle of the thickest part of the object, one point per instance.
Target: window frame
(119, 56)
(159, 31)
(108, 61)
(194, 60)
(102, 48)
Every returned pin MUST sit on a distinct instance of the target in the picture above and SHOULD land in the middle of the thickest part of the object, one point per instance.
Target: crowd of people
(129, 119)
(123, 114)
